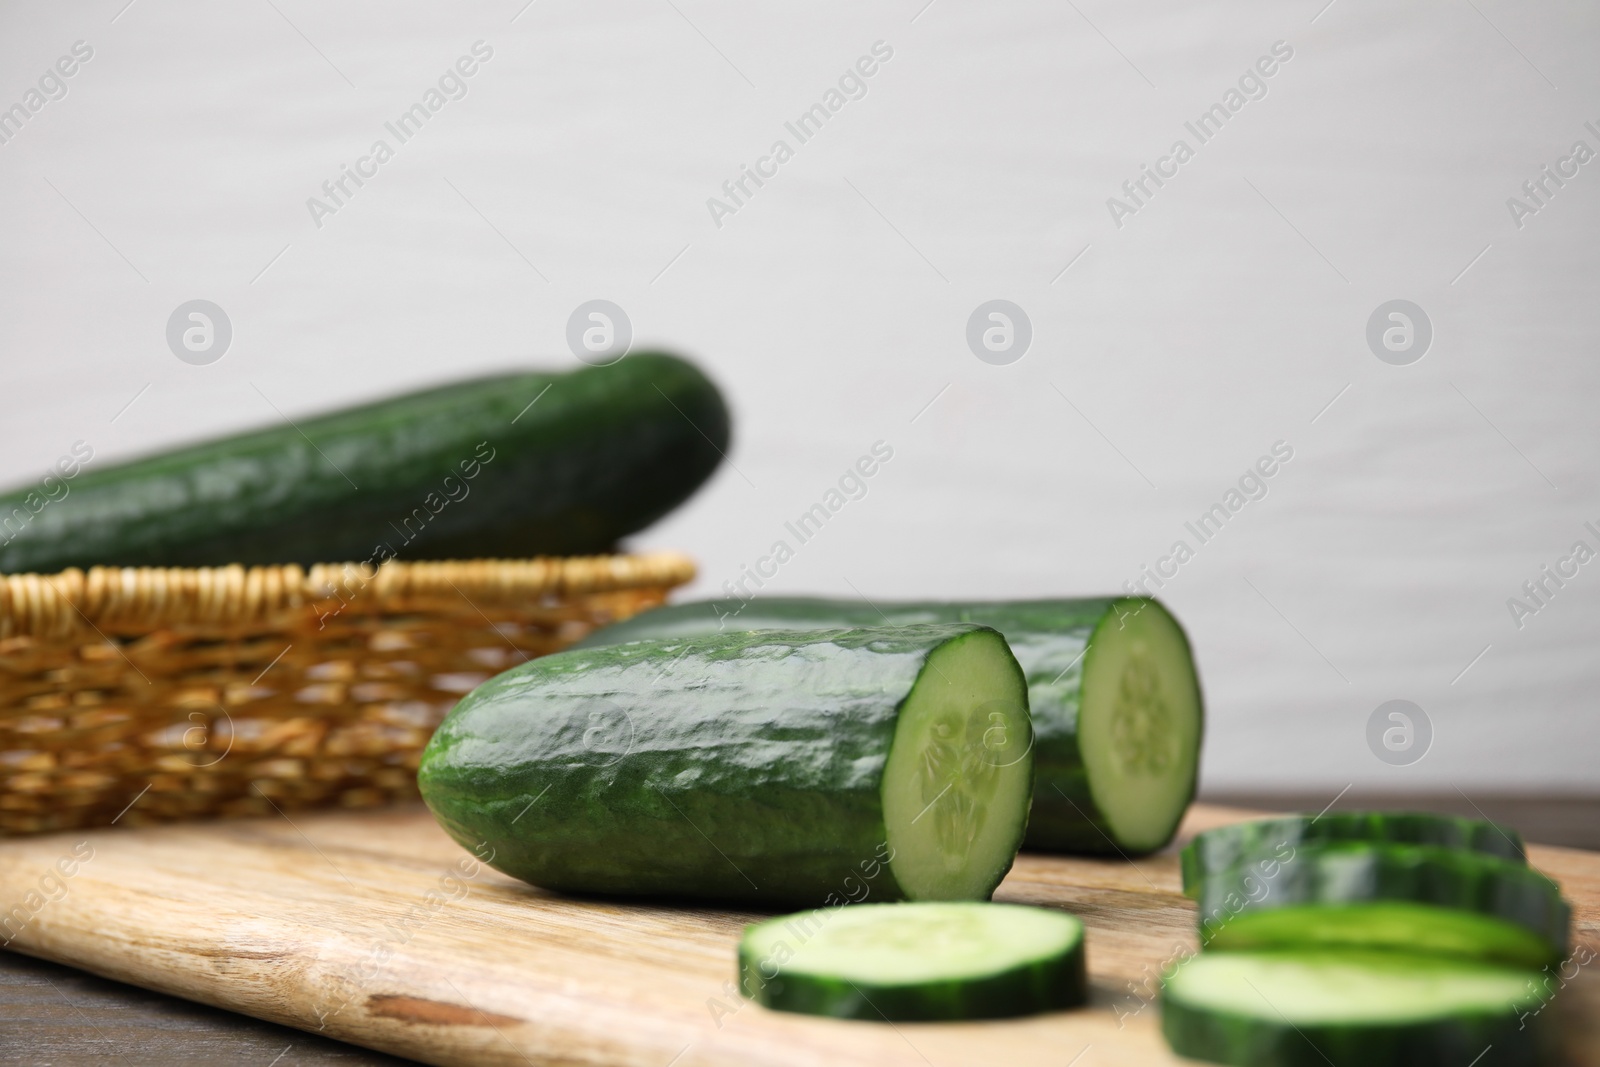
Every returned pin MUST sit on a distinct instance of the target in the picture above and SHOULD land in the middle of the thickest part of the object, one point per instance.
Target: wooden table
(163, 908)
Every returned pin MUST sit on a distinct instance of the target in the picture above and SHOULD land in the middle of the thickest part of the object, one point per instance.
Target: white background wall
(1223, 317)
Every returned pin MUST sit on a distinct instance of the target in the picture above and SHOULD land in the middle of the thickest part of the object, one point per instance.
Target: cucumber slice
(1352, 1008)
(1407, 897)
(805, 768)
(1116, 704)
(910, 962)
(1138, 727)
(1228, 846)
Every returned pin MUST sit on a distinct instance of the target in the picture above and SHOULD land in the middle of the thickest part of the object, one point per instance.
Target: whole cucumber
(806, 768)
(513, 465)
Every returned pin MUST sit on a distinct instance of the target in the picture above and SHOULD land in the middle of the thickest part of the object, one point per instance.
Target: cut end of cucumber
(959, 777)
(916, 961)
(1139, 723)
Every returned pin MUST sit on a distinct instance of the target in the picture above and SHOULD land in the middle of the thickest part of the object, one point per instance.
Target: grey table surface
(54, 1016)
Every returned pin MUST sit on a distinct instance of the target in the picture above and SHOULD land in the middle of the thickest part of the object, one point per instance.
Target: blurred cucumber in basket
(513, 465)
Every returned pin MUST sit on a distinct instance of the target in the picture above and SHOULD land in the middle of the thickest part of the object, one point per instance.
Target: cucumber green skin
(1048, 638)
(1044, 985)
(1357, 873)
(1227, 846)
(605, 452)
(1453, 1041)
(738, 767)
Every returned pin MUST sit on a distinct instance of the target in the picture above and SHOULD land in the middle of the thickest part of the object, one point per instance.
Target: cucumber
(1418, 898)
(1352, 1008)
(1227, 846)
(805, 768)
(1116, 704)
(513, 465)
(916, 962)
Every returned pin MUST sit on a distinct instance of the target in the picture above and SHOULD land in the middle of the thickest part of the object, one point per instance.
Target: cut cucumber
(1417, 898)
(1263, 839)
(1111, 682)
(916, 962)
(512, 465)
(1352, 1008)
(809, 768)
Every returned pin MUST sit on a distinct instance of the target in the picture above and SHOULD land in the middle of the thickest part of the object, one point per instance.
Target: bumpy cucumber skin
(1345, 873)
(1053, 984)
(1048, 638)
(600, 455)
(1227, 846)
(1454, 1041)
(738, 767)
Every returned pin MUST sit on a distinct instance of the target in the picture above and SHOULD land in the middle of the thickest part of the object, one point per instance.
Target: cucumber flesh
(1115, 701)
(1228, 846)
(961, 751)
(907, 962)
(800, 768)
(1403, 897)
(1351, 1008)
(1139, 725)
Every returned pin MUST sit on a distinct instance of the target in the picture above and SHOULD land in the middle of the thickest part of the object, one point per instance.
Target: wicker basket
(132, 696)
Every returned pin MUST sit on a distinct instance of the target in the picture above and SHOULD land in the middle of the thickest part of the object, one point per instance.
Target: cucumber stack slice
(1229, 846)
(1117, 712)
(1352, 1008)
(1366, 938)
(910, 962)
(1415, 898)
(809, 768)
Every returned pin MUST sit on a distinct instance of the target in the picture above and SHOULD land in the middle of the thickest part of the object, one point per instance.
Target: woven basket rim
(59, 605)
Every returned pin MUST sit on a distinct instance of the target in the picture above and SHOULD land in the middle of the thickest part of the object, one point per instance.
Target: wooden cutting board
(375, 928)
